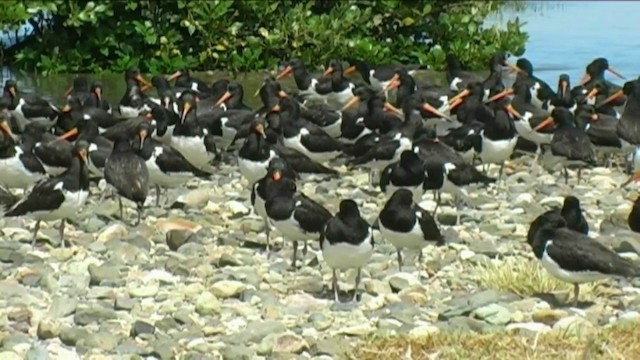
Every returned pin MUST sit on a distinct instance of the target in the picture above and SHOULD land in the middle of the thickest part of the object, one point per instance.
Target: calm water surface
(564, 36)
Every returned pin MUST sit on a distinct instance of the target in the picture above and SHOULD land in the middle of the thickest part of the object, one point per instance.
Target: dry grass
(620, 341)
(523, 276)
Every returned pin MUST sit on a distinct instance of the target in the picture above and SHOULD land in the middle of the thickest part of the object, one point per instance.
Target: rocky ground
(152, 292)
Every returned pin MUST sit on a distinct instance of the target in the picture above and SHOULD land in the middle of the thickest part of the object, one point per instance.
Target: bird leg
(576, 293)
(305, 248)
(566, 175)
(458, 201)
(399, 252)
(62, 224)
(157, 195)
(120, 206)
(268, 232)
(334, 285)
(438, 198)
(35, 233)
(355, 289)
(420, 257)
(139, 208)
(579, 174)
(500, 172)
(295, 253)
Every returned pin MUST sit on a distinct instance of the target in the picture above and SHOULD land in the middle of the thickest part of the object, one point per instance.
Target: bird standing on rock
(346, 242)
(128, 174)
(59, 197)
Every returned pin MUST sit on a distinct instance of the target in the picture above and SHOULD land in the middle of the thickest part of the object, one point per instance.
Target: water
(564, 36)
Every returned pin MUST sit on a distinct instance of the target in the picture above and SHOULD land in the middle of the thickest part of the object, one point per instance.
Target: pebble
(227, 288)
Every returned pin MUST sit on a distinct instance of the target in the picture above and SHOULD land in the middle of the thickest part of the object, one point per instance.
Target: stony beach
(120, 292)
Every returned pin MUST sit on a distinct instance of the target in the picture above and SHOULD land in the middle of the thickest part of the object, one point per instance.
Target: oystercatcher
(276, 170)
(498, 138)
(19, 169)
(408, 173)
(128, 174)
(572, 214)
(133, 100)
(96, 99)
(59, 197)
(167, 167)
(377, 77)
(29, 108)
(574, 257)
(310, 87)
(569, 145)
(346, 242)
(406, 225)
(189, 138)
(256, 153)
(293, 214)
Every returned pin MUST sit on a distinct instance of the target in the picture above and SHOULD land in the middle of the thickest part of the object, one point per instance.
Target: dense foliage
(244, 35)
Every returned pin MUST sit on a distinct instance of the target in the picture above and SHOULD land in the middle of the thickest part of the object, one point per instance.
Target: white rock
(237, 208)
(524, 198)
(531, 326)
(466, 254)
(423, 331)
(9, 355)
(227, 288)
(161, 276)
(629, 316)
(111, 232)
(574, 325)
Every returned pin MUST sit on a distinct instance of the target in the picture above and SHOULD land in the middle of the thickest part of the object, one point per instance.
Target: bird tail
(465, 174)
(312, 167)
(376, 224)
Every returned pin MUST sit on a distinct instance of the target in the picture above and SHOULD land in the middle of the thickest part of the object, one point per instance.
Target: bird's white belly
(413, 239)
(524, 129)
(157, 177)
(73, 201)
(497, 151)
(13, 174)
(342, 97)
(334, 130)
(364, 132)
(573, 277)
(130, 112)
(294, 143)
(290, 229)
(344, 256)
(254, 170)
(259, 207)
(228, 134)
(193, 149)
(166, 137)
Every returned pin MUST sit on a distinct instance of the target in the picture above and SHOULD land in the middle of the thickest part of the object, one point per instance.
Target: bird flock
(411, 137)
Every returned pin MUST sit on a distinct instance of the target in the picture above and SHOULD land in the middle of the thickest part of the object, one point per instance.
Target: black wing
(129, 175)
(603, 132)
(385, 176)
(311, 216)
(384, 150)
(337, 231)
(320, 143)
(574, 251)
(42, 197)
(171, 160)
(428, 225)
(573, 144)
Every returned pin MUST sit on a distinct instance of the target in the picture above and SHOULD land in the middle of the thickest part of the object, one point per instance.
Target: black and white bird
(29, 108)
(406, 225)
(276, 170)
(347, 243)
(167, 167)
(570, 146)
(572, 214)
(188, 137)
(57, 198)
(294, 215)
(256, 153)
(133, 101)
(574, 257)
(20, 169)
(408, 173)
(127, 172)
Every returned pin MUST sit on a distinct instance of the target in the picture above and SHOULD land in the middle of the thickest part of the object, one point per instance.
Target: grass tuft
(522, 276)
(620, 341)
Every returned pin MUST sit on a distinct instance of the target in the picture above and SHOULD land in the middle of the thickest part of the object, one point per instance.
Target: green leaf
(408, 21)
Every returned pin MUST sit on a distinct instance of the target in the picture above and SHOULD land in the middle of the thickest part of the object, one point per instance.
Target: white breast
(573, 277)
(414, 239)
(348, 256)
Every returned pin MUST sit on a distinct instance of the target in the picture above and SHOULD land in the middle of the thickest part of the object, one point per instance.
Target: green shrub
(249, 35)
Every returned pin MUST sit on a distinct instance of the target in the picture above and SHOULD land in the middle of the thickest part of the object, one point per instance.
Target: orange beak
(175, 75)
(616, 95)
(143, 135)
(390, 108)
(185, 111)
(83, 155)
(585, 79)
(563, 87)
(355, 100)
(614, 72)
(350, 70)
(226, 96)
(393, 84)
(12, 91)
(146, 88)
(260, 130)
(329, 71)
(595, 117)
(462, 94)
(4, 126)
(98, 93)
(512, 111)
(592, 93)
(71, 133)
(548, 121)
(275, 108)
(142, 80)
(148, 116)
(69, 90)
(634, 177)
(288, 70)
(427, 107)
(500, 95)
(166, 102)
(276, 176)
(66, 108)
(282, 94)
(455, 104)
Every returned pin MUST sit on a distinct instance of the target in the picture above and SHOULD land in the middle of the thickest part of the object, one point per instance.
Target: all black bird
(347, 243)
